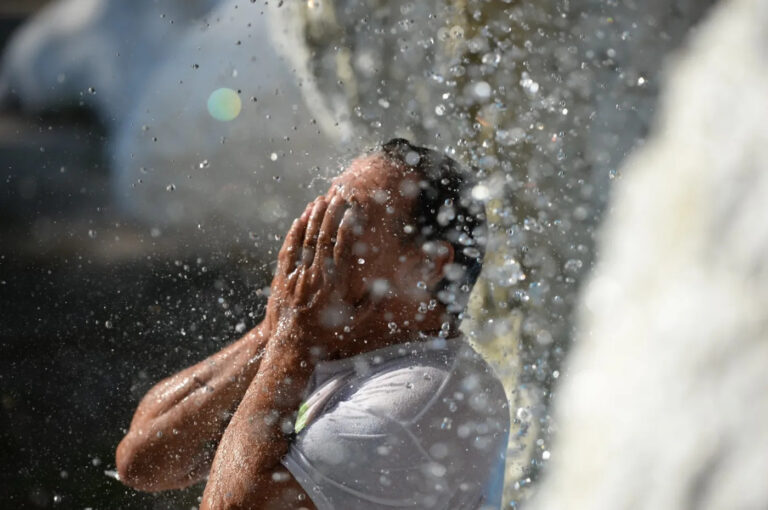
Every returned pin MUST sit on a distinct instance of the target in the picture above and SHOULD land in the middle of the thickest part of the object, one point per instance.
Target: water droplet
(492, 58)
(412, 158)
(108, 324)
(510, 136)
(524, 414)
(573, 266)
(280, 476)
(273, 156)
(471, 252)
(544, 337)
(482, 90)
(482, 193)
(380, 287)
(528, 84)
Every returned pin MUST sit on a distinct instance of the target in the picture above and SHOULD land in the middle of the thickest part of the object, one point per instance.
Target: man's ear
(437, 255)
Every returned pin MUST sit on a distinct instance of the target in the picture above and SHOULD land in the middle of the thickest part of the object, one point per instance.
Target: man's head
(422, 236)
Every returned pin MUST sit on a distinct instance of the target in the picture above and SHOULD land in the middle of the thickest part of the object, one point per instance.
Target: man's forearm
(246, 472)
(180, 421)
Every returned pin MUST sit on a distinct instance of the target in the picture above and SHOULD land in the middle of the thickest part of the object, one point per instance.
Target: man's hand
(313, 315)
(310, 294)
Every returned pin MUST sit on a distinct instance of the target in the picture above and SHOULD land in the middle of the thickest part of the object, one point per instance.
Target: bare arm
(309, 313)
(179, 422)
(246, 472)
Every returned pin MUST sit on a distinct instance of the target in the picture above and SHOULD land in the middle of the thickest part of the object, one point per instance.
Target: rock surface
(666, 398)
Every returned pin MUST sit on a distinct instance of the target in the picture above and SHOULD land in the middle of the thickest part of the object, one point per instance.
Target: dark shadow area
(93, 311)
(82, 342)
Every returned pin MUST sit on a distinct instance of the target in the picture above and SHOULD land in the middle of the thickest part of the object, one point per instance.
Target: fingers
(342, 250)
(346, 236)
(324, 260)
(313, 230)
(305, 278)
(291, 248)
(307, 210)
(319, 242)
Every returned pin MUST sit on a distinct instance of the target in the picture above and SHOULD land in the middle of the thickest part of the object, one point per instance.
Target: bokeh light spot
(224, 104)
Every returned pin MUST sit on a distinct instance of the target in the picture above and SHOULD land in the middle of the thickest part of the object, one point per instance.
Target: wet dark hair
(445, 211)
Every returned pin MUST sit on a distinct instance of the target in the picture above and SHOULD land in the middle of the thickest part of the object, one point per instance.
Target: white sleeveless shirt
(416, 425)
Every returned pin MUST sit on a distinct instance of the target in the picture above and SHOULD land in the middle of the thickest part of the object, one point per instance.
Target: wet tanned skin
(347, 269)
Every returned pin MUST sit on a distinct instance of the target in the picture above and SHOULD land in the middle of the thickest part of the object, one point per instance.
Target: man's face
(382, 193)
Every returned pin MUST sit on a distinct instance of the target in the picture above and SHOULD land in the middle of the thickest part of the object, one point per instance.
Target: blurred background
(153, 152)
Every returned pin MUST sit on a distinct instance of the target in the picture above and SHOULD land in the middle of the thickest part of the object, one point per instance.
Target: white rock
(665, 402)
(93, 53)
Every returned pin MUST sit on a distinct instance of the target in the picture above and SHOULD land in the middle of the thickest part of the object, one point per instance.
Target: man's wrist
(290, 339)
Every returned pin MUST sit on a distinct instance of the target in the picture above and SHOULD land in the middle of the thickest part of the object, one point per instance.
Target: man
(362, 326)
